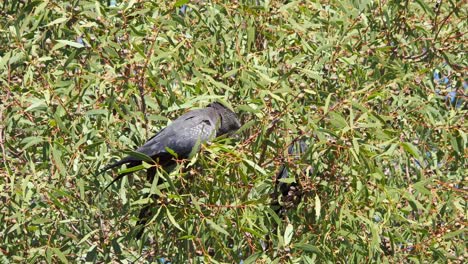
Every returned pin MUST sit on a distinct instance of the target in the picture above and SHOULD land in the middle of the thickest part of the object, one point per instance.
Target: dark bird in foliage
(288, 192)
(182, 137)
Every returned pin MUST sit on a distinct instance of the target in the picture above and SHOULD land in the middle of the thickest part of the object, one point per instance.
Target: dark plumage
(183, 134)
(288, 191)
(287, 194)
(296, 148)
(183, 137)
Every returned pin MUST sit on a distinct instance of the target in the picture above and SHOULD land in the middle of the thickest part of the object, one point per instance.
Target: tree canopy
(377, 89)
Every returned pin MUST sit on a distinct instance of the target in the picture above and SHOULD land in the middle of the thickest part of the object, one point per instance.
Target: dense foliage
(377, 89)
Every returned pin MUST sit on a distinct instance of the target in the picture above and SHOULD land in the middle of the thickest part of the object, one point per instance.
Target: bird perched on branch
(182, 135)
(179, 139)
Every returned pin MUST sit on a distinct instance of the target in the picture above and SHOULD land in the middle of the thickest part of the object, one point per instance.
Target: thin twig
(142, 80)
(2, 136)
(2, 129)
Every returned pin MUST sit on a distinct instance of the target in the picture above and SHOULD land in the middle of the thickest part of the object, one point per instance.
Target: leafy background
(378, 89)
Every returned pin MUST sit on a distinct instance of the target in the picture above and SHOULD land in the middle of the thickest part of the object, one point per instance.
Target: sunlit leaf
(288, 234)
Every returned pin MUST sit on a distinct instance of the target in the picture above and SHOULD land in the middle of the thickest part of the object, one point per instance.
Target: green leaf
(38, 104)
(64, 42)
(31, 141)
(411, 149)
(356, 145)
(140, 156)
(307, 247)
(142, 201)
(318, 207)
(288, 233)
(230, 73)
(337, 120)
(180, 3)
(57, 21)
(87, 236)
(456, 233)
(4, 59)
(327, 104)
(173, 221)
(216, 227)
(420, 187)
(313, 74)
(132, 169)
(96, 112)
(40, 221)
(255, 166)
(274, 215)
(287, 180)
(60, 255)
(57, 155)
